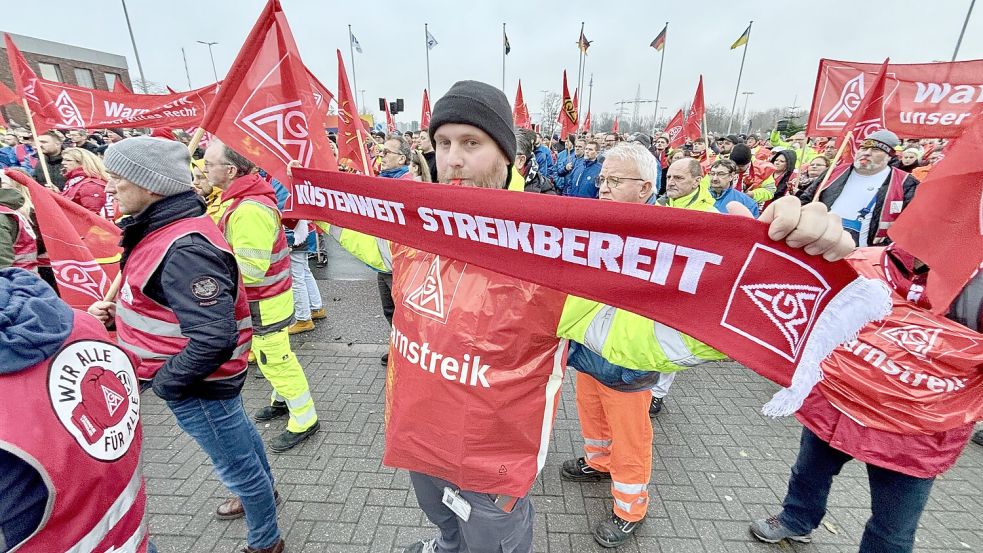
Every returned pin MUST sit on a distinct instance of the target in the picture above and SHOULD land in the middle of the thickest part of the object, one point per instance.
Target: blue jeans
(897, 500)
(222, 430)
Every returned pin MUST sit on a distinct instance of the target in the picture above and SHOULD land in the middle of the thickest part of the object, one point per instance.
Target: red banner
(265, 109)
(925, 100)
(769, 306)
(83, 247)
(675, 130)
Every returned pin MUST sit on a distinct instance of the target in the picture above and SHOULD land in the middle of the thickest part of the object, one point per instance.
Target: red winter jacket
(88, 192)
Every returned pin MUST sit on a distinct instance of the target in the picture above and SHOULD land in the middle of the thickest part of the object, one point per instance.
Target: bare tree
(549, 111)
(148, 87)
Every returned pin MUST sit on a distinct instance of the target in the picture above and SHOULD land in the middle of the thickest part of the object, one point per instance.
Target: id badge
(456, 503)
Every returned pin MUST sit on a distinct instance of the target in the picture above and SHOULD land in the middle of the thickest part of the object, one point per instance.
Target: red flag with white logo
(866, 119)
(322, 96)
(520, 113)
(26, 81)
(425, 116)
(83, 247)
(568, 112)
(265, 109)
(675, 130)
(943, 225)
(351, 131)
(390, 121)
(693, 128)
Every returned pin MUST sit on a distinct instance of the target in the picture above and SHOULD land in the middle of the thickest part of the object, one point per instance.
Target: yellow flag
(742, 40)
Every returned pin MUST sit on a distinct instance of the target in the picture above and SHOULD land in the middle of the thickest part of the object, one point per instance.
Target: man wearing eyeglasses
(721, 177)
(869, 190)
(396, 159)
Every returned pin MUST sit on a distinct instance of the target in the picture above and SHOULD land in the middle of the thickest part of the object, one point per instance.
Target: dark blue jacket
(544, 160)
(582, 183)
(210, 326)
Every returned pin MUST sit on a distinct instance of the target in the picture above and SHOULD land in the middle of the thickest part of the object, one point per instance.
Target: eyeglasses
(613, 182)
(388, 151)
(720, 173)
(210, 164)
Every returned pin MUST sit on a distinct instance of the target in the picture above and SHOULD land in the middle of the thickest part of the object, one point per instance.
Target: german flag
(660, 41)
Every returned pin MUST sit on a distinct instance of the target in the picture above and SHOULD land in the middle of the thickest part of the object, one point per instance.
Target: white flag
(431, 41)
(355, 44)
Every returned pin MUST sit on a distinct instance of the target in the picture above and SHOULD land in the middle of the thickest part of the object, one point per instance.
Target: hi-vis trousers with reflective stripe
(618, 439)
(280, 366)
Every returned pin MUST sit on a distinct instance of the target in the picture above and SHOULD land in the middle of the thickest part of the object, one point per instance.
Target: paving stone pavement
(717, 464)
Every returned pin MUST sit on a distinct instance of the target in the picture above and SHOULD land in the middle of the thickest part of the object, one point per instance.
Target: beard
(495, 177)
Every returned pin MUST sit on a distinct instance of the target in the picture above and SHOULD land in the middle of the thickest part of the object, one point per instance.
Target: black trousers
(385, 281)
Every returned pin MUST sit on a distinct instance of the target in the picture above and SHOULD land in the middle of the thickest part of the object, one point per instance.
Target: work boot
(289, 440)
(422, 546)
(270, 412)
(318, 314)
(385, 359)
(656, 406)
(232, 508)
(771, 530)
(300, 326)
(278, 547)
(577, 470)
(615, 531)
(978, 437)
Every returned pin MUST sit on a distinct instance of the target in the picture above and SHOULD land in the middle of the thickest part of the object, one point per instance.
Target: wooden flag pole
(839, 152)
(42, 159)
(195, 139)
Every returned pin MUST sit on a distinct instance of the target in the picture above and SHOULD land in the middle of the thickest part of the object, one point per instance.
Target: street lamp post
(210, 55)
(747, 95)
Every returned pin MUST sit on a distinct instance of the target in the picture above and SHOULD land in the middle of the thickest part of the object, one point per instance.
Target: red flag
(82, 246)
(390, 120)
(867, 118)
(26, 81)
(322, 96)
(568, 113)
(675, 130)
(614, 128)
(265, 108)
(520, 113)
(587, 122)
(120, 88)
(693, 128)
(351, 131)
(7, 96)
(949, 203)
(425, 116)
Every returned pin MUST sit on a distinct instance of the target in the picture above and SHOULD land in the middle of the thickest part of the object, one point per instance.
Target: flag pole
(839, 152)
(733, 106)
(41, 157)
(351, 54)
(963, 31)
(580, 66)
(503, 57)
(658, 87)
(426, 42)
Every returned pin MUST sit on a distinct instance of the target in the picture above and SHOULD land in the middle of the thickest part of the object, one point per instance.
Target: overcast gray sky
(786, 43)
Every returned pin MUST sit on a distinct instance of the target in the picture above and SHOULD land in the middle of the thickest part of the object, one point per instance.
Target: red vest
(893, 201)
(26, 244)
(474, 373)
(84, 436)
(151, 331)
(277, 278)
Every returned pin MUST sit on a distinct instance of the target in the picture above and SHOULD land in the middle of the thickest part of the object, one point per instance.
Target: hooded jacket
(786, 181)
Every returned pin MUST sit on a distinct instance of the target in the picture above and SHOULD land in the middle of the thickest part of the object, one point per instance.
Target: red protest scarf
(520, 113)
(694, 122)
(943, 225)
(614, 128)
(265, 109)
(425, 115)
(768, 306)
(923, 100)
(83, 247)
(390, 121)
(867, 118)
(568, 112)
(322, 96)
(351, 131)
(7, 96)
(675, 130)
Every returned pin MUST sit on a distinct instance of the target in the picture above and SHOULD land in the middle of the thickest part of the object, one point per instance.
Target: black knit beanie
(480, 105)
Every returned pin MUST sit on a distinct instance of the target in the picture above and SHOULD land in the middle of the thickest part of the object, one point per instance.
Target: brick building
(64, 63)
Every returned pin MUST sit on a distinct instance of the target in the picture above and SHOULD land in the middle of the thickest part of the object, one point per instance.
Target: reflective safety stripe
(29, 256)
(600, 326)
(386, 253)
(593, 455)
(884, 225)
(299, 401)
(116, 512)
(629, 488)
(270, 280)
(673, 346)
(248, 270)
(134, 541)
(143, 354)
(241, 350)
(335, 232)
(147, 324)
(256, 253)
(305, 419)
(626, 507)
(597, 443)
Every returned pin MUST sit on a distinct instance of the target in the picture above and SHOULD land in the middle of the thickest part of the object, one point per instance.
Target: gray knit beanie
(160, 166)
(480, 105)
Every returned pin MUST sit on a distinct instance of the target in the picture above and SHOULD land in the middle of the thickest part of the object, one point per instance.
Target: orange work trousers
(618, 439)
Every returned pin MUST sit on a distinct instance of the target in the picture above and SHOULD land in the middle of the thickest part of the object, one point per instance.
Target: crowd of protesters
(245, 257)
